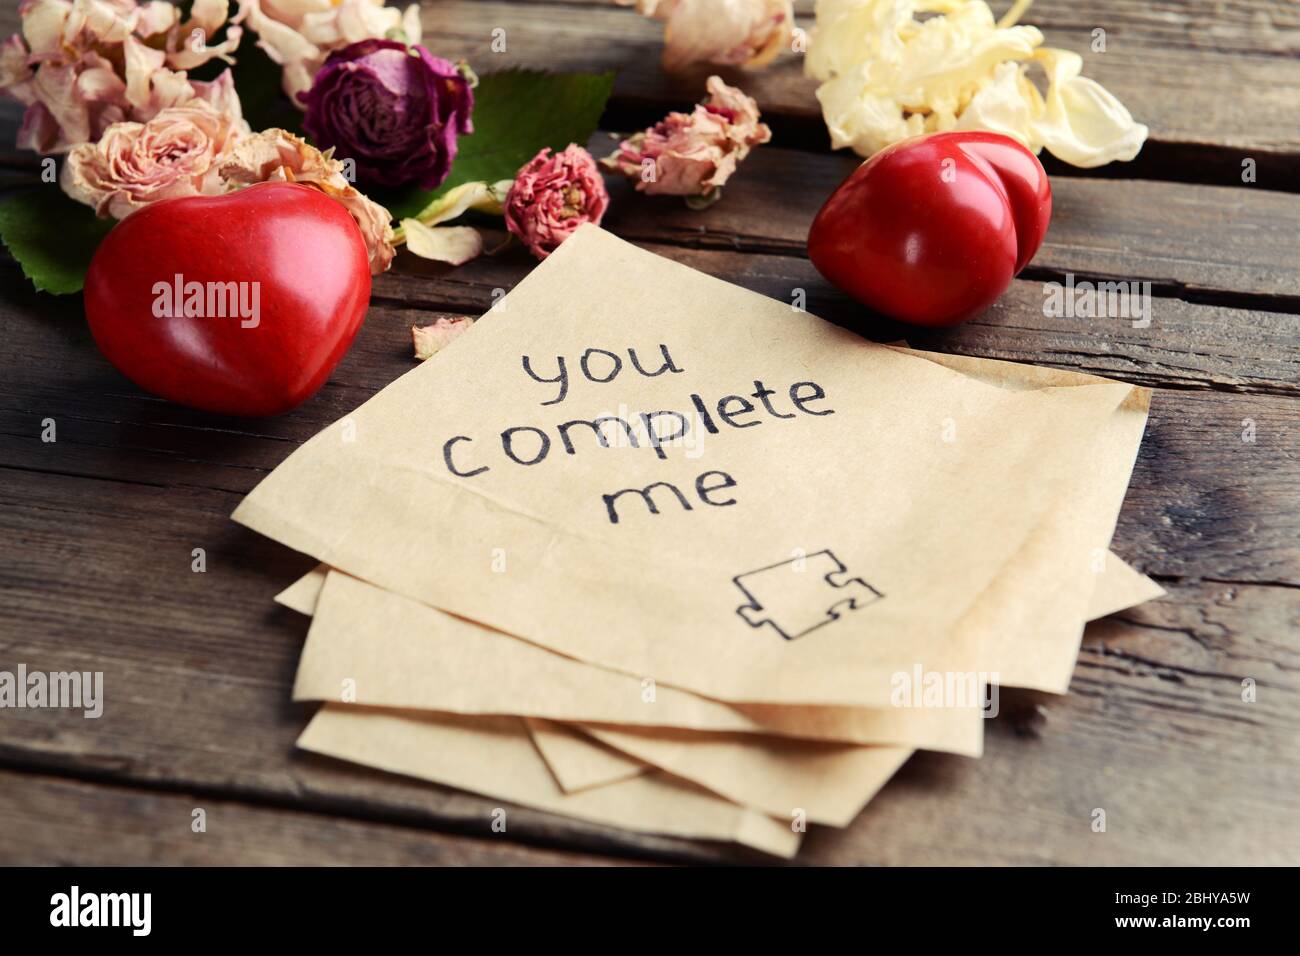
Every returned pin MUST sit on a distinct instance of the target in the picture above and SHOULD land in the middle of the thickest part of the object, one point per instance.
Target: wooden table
(97, 528)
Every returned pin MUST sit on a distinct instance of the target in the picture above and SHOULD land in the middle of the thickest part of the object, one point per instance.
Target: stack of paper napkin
(655, 551)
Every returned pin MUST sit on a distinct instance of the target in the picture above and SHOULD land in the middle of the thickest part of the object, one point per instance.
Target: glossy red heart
(241, 304)
(931, 230)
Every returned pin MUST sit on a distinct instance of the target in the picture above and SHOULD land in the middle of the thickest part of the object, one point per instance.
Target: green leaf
(52, 237)
(516, 113)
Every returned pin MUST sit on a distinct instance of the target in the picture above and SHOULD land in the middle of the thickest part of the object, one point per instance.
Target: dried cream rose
(431, 339)
(80, 66)
(1079, 122)
(886, 75)
(174, 154)
(275, 155)
(747, 33)
(300, 34)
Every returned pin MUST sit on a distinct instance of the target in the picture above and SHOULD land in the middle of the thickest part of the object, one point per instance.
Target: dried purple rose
(394, 110)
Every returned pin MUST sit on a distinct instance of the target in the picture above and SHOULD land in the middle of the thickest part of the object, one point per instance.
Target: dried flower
(431, 339)
(747, 33)
(552, 196)
(134, 164)
(300, 34)
(80, 66)
(693, 154)
(886, 76)
(278, 156)
(394, 110)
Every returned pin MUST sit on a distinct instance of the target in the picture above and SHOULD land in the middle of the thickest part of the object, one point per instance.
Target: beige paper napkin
(1034, 642)
(830, 783)
(1119, 586)
(816, 782)
(370, 646)
(948, 478)
(495, 757)
(577, 760)
(1059, 559)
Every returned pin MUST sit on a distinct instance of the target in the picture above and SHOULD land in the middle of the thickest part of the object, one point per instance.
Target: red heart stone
(240, 304)
(931, 230)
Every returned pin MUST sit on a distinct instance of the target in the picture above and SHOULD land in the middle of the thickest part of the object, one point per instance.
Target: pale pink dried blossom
(552, 196)
(275, 155)
(300, 34)
(176, 153)
(748, 33)
(693, 154)
(431, 339)
(79, 66)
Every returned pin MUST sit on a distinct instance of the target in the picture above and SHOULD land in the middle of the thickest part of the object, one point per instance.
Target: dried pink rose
(747, 33)
(300, 34)
(693, 154)
(275, 155)
(552, 196)
(174, 154)
(80, 66)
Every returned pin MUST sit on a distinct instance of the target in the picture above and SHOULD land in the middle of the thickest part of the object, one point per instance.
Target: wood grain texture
(1187, 346)
(198, 666)
(97, 528)
(47, 820)
(1238, 245)
(1215, 81)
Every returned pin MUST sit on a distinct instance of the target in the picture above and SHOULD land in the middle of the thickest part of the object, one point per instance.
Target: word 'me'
(209, 300)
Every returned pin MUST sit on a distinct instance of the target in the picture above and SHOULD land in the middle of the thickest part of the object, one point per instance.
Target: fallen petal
(454, 244)
(431, 339)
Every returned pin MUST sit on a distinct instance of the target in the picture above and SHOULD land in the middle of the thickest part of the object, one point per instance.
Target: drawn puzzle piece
(802, 594)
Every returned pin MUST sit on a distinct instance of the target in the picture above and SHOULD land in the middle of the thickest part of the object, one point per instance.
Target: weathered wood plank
(1195, 470)
(1187, 345)
(1189, 239)
(125, 435)
(96, 575)
(1217, 82)
(1253, 27)
(198, 667)
(121, 433)
(1212, 495)
(1237, 245)
(99, 526)
(46, 820)
(1183, 69)
(1186, 772)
